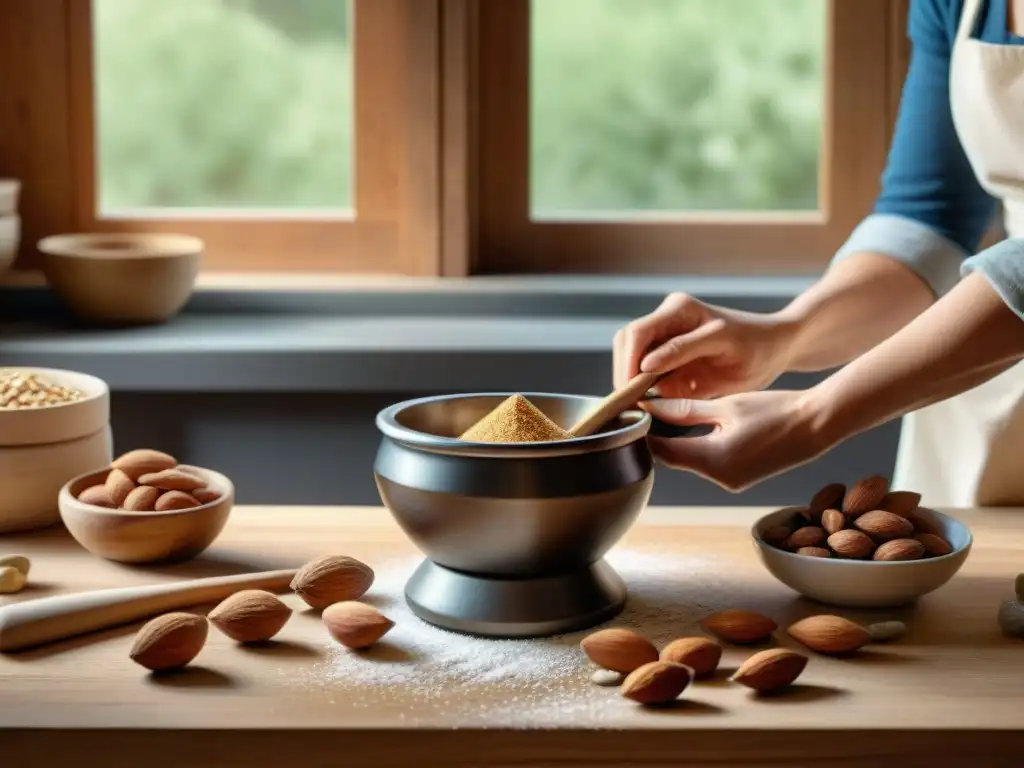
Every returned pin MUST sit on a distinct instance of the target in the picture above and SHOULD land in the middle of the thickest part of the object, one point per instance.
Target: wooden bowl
(146, 537)
(122, 279)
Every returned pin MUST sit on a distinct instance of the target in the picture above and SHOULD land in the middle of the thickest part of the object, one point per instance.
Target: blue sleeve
(931, 212)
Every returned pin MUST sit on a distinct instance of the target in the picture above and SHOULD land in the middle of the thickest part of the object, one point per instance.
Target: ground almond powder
(516, 420)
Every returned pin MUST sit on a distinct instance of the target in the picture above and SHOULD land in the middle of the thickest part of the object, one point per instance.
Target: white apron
(969, 450)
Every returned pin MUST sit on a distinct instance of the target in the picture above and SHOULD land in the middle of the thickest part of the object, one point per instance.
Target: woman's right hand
(705, 351)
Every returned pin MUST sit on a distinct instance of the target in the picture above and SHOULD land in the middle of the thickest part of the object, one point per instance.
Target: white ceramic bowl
(863, 583)
(10, 190)
(126, 278)
(10, 238)
(42, 448)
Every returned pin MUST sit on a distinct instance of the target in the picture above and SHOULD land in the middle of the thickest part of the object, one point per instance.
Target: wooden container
(42, 448)
(122, 279)
(146, 537)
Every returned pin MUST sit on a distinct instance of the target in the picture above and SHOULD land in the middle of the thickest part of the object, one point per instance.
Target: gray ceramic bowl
(863, 583)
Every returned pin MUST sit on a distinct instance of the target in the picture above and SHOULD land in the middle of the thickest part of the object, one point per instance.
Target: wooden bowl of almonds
(147, 508)
(866, 546)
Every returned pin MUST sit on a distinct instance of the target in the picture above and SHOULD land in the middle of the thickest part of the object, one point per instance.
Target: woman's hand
(756, 435)
(706, 351)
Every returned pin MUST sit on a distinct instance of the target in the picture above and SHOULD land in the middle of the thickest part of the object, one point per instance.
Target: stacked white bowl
(42, 448)
(10, 222)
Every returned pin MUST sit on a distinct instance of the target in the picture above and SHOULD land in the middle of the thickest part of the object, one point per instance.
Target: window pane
(223, 104)
(676, 105)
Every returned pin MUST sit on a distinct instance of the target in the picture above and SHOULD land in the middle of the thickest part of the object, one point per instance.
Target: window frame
(856, 75)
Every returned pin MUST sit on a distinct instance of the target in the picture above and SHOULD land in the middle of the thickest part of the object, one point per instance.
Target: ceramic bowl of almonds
(866, 546)
(146, 508)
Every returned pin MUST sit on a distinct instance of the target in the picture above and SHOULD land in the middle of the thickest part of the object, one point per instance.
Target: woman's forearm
(861, 301)
(964, 339)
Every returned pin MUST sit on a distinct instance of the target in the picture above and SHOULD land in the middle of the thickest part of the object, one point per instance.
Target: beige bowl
(10, 239)
(10, 191)
(146, 537)
(131, 278)
(42, 448)
(863, 583)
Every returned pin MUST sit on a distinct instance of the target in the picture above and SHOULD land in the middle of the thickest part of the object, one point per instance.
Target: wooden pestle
(36, 622)
(611, 406)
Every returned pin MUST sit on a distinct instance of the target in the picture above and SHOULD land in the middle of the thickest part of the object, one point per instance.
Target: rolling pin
(611, 406)
(36, 622)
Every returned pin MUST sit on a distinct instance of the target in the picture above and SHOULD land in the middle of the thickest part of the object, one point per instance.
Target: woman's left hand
(756, 435)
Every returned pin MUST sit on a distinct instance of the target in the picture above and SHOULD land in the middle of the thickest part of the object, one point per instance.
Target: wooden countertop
(952, 689)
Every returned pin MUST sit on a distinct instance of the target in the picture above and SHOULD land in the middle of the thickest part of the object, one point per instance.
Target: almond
(934, 546)
(142, 499)
(771, 669)
(332, 579)
(174, 500)
(808, 536)
(618, 649)
(833, 521)
(250, 616)
(1011, 618)
(170, 641)
(657, 682)
(143, 461)
(882, 525)
(97, 496)
(701, 654)
(886, 631)
(851, 544)
(172, 480)
(356, 625)
(119, 485)
(205, 495)
(814, 552)
(865, 496)
(924, 521)
(829, 497)
(739, 626)
(776, 535)
(829, 634)
(900, 549)
(900, 503)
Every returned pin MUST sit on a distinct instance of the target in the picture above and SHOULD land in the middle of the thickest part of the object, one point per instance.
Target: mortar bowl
(511, 511)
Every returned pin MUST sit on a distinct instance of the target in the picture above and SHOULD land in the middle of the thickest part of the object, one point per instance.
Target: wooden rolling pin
(36, 622)
(618, 401)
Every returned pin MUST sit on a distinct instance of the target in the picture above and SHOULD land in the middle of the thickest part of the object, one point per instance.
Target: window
(452, 137)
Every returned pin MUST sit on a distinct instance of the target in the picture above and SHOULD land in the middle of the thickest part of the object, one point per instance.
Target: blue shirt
(932, 213)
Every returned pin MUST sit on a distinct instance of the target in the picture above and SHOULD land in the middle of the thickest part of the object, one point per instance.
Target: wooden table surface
(952, 689)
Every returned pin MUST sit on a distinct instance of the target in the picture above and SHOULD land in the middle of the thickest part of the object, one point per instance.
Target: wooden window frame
(854, 142)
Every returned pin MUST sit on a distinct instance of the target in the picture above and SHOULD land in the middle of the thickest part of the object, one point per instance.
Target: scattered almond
(142, 499)
(1011, 618)
(900, 549)
(11, 580)
(172, 480)
(20, 562)
(900, 503)
(851, 544)
(829, 497)
(701, 654)
(934, 546)
(607, 678)
(739, 626)
(771, 669)
(776, 535)
(170, 641)
(829, 634)
(814, 552)
(143, 461)
(250, 616)
(97, 496)
(356, 625)
(332, 579)
(618, 649)
(118, 485)
(808, 536)
(833, 521)
(657, 682)
(882, 525)
(174, 500)
(205, 495)
(865, 496)
(886, 631)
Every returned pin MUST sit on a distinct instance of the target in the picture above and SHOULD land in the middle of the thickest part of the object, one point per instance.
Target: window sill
(383, 335)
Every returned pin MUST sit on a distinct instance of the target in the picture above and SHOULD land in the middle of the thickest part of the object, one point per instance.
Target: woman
(925, 329)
